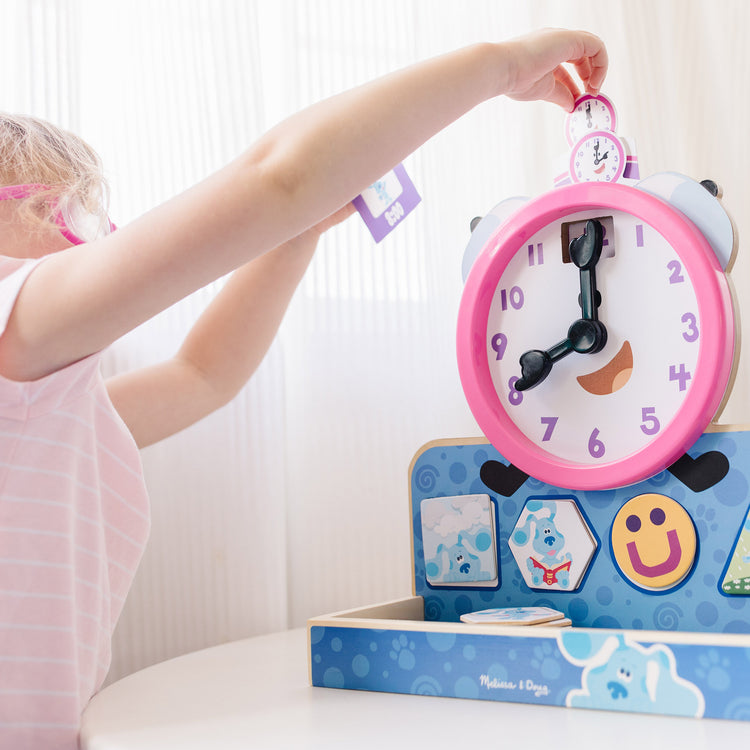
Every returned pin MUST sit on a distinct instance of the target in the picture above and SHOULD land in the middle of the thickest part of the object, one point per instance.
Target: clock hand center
(584, 337)
(599, 159)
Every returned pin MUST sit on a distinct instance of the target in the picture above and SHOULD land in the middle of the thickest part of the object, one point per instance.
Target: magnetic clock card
(387, 202)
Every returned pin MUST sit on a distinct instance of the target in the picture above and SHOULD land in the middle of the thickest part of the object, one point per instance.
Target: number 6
(596, 446)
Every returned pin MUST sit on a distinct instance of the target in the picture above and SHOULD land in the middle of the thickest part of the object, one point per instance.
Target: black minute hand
(588, 334)
(585, 252)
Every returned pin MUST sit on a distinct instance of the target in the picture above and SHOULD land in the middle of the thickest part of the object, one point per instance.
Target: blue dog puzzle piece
(552, 544)
(458, 534)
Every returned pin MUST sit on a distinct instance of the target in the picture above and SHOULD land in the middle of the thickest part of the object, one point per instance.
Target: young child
(73, 508)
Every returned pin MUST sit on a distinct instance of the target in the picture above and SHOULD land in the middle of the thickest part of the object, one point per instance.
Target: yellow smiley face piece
(653, 541)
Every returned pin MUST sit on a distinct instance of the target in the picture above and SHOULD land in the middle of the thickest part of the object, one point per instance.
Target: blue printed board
(656, 589)
(701, 601)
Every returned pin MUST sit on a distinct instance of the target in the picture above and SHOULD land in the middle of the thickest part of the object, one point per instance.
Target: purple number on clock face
(650, 424)
(681, 375)
(676, 276)
(536, 255)
(596, 446)
(549, 423)
(499, 344)
(512, 297)
(515, 397)
(690, 321)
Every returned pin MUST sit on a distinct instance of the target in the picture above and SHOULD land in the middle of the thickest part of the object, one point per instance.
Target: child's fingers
(592, 65)
(587, 54)
(566, 88)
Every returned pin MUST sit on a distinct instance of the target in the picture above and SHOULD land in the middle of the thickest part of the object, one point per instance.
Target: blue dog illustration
(550, 562)
(459, 563)
(622, 675)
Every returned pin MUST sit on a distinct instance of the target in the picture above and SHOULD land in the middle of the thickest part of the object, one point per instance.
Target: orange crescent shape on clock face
(613, 376)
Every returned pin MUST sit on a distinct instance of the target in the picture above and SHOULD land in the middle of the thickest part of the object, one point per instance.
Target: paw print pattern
(402, 652)
(546, 660)
(705, 521)
(714, 668)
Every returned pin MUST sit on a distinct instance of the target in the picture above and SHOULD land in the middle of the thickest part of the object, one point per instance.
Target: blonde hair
(33, 151)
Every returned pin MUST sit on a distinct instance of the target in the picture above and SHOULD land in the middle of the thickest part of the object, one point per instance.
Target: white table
(255, 694)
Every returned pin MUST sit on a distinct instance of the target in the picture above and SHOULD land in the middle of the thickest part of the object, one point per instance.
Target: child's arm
(223, 348)
(80, 300)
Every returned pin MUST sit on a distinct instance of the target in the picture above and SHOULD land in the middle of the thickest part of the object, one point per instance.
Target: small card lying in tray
(518, 616)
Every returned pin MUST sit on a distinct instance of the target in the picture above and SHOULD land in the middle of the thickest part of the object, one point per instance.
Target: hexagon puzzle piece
(552, 544)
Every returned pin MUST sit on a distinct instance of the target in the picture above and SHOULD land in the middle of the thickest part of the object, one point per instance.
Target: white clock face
(596, 408)
(590, 113)
(598, 157)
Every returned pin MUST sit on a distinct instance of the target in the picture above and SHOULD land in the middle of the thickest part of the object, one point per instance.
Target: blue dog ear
(520, 537)
(700, 206)
(580, 647)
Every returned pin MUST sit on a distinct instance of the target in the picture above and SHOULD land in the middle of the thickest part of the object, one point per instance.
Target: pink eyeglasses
(75, 223)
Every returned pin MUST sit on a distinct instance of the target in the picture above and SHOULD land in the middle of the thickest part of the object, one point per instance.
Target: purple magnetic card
(386, 203)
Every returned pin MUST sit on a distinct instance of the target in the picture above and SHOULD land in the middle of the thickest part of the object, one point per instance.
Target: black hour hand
(536, 364)
(584, 337)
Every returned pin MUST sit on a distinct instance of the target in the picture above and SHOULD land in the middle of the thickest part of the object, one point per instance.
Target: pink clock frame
(715, 354)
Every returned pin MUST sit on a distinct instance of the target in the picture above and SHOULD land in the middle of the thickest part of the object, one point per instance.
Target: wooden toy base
(389, 647)
(660, 607)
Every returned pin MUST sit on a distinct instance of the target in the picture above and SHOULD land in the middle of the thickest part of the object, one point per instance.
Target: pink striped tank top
(73, 523)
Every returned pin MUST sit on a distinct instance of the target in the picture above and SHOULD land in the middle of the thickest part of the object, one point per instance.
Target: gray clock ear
(483, 228)
(700, 205)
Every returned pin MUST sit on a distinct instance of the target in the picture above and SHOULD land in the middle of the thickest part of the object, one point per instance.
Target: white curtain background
(292, 501)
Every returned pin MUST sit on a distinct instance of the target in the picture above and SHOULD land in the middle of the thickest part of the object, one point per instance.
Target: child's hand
(536, 68)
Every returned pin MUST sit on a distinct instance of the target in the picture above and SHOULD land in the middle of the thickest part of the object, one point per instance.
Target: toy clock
(596, 333)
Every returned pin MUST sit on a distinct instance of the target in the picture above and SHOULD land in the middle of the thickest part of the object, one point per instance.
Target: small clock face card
(590, 113)
(458, 534)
